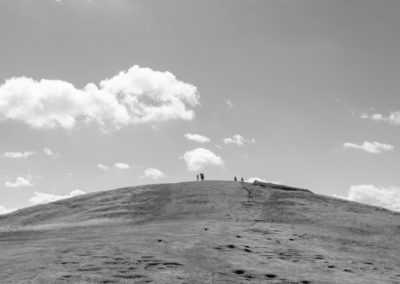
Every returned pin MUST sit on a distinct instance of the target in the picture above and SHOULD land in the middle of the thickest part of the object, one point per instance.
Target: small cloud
(200, 157)
(393, 118)
(252, 179)
(378, 196)
(218, 146)
(103, 167)
(370, 147)
(18, 155)
(19, 182)
(51, 153)
(197, 138)
(121, 166)
(238, 140)
(41, 198)
(229, 103)
(68, 174)
(4, 210)
(153, 173)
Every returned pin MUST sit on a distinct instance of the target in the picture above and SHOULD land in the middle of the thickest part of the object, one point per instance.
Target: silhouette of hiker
(197, 177)
(235, 178)
(202, 176)
(241, 179)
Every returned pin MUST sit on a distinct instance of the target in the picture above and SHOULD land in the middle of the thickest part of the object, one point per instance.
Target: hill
(201, 232)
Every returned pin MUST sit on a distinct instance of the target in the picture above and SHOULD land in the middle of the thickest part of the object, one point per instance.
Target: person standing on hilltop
(197, 176)
(235, 179)
(201, 176)
(242, 179)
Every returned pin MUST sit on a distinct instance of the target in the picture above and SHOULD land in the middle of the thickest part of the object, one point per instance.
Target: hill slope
(201, 232)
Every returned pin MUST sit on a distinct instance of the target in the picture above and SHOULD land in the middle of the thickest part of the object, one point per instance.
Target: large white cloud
(379, 196)
(197, 138)
(139, 95)
(153, 173)
(41, 198)
(393, 118)
(19, 182)
(200, 157)
(370, 147)
(18, 155)
(238, 140)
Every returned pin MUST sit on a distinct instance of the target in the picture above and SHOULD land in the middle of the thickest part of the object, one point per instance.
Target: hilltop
(201, 232)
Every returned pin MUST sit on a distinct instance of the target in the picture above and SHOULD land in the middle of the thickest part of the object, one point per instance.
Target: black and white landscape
(182, 141)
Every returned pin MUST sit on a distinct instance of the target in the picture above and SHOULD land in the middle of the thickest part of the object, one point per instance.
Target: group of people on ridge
(201, 176)
(235, 179)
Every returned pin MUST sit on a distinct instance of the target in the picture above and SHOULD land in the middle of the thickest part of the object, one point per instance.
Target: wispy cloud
(393, 118)
(153, 173)
(18, 155)
(200, 157)
(51, 153)
(370, 147)
(139, 95)
(103, 167)
(41, 198)
(378, 196)
(229, 103)
(197, 138)
(238, 140)
(19, 182)
(121, 166)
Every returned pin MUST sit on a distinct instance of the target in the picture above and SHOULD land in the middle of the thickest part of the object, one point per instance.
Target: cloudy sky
(101, 94)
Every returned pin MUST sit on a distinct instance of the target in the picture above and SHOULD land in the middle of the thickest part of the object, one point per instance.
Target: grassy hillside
(201, 232)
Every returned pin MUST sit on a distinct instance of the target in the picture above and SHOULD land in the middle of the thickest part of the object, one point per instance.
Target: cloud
(18, 155)
(41, 198)
(50, 153)
(19, 182)
(370, 147)
(252, 179)
(197, 138)
(229, 103)
(139, 95)
(153, 174)
(200, 157)
(393, 118)
(378, 196)
(121, 166)
(103, 167)
(4, 210)
(238, 140)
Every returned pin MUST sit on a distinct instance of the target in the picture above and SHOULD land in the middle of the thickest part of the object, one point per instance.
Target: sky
(99, 94)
